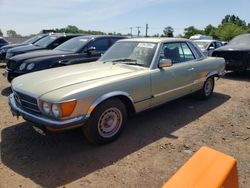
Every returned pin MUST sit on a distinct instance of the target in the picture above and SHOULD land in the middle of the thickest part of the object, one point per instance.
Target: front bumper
(2, 56)
(51, 124)
(221, 74)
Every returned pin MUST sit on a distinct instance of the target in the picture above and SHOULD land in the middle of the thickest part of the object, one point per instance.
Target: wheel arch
(125, 98)
(213, 74)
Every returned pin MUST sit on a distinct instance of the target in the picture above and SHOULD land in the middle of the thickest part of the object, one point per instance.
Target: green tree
(232, 19)
(74, 29)
(11, 33)
(168, 31)
(1, 33)
(210, 30)
(229, 30)
(191, 30)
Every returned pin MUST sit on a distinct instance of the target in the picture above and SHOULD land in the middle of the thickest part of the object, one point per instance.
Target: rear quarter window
(198, 54)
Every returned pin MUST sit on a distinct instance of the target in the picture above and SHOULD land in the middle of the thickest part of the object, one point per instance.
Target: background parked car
(3, 42)
(49, 42)
(236, 53)
(208, 46)
(32, 40)
(76, 50)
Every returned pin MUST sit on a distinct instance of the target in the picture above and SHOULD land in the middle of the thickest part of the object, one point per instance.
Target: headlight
(22, 66)
(56, 110)
(30, 66)
(46, 107)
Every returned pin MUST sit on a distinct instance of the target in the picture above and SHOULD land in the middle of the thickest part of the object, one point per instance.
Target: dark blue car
(49, 42)
(31, 40)
(77, 50)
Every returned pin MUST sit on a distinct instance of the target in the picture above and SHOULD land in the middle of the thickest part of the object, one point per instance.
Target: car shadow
(242, 76)
(60, 158)
(6, 91)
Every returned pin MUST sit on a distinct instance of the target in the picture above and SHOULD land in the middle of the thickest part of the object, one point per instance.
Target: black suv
(49, 42)
(77, 50)
(29, 41)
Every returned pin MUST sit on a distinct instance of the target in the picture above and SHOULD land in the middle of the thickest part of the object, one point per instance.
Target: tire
(207, 89)
(106, 122)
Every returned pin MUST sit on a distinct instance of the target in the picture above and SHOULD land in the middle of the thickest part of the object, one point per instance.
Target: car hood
(8, 46)
(39, 53)
(52, 79)
(229, 47)
(24, 48)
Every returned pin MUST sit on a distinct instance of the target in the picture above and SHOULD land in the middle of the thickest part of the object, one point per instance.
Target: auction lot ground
(152, 147)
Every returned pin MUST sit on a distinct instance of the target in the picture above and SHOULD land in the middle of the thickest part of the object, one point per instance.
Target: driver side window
(176, 52)
(101, 45)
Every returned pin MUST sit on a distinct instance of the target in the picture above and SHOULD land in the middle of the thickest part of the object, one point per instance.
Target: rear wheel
(106, 122)
(207, 89)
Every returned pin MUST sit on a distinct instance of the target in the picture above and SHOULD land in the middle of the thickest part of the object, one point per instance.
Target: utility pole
(131, 31)
(146, 30)
(138, 31)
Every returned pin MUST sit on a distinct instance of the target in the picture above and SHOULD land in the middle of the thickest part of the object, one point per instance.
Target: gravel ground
(152, 147)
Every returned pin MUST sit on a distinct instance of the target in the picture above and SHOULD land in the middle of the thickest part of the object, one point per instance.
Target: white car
(208, 46)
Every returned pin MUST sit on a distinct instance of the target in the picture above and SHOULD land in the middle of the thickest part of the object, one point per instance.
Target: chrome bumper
(41, 120)
(221, 74)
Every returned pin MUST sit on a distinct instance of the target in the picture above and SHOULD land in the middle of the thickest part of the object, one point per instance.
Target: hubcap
(110, 122)
(208, 87)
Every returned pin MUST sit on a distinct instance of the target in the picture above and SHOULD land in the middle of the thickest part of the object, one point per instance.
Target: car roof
(206, 40)
(100, 36)
(64, 34)
(156, 39)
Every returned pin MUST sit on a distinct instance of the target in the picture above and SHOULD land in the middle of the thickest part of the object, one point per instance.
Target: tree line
(229, 27)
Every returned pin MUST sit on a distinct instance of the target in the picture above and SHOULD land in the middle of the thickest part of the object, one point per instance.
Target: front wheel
(106, 122)
(207, 89)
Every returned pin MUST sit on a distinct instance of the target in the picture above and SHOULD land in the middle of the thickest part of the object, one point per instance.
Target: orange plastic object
(207, 168)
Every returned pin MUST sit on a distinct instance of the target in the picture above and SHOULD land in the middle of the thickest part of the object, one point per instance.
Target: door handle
(191, 69)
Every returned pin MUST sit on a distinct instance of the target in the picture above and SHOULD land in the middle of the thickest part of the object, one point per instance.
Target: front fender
(106, 96)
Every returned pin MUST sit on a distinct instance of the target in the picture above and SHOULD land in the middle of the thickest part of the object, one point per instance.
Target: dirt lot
(152, 147)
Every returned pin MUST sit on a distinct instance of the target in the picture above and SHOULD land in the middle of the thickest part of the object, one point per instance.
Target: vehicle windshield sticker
(146, 45)
(53, 37)
(83, 40)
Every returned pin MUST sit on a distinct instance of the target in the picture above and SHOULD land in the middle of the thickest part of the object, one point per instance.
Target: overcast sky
(30, 16)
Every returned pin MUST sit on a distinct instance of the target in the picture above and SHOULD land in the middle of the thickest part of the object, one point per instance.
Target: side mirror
(91, 49)
(165, 63)
(211, 48)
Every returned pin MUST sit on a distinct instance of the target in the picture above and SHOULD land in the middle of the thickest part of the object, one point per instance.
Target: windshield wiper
(128, 61)
(124, 60)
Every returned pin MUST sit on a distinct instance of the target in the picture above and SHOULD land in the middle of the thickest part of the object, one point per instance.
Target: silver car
(208, 46)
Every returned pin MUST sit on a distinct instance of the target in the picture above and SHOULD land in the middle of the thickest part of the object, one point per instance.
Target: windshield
(241, 40)
(141, 53)
(32, 39)
(73, 45)
(202, 44)
(44, 42)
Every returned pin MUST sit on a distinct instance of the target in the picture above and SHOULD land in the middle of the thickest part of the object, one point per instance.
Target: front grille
(11, 64)
(27, 102)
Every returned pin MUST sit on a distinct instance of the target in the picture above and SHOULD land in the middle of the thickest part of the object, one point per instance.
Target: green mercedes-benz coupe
(132, 76)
